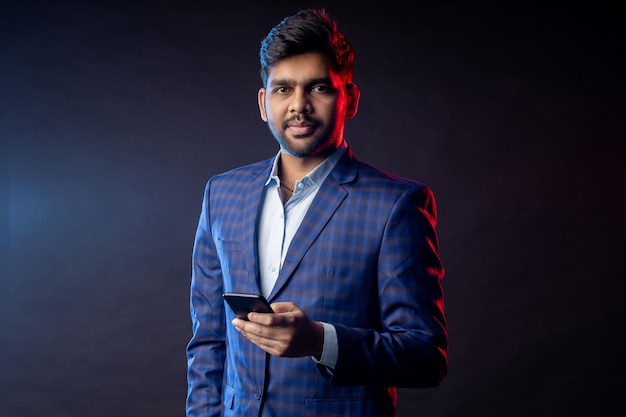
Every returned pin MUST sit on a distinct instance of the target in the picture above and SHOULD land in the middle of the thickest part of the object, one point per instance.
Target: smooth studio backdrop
(114, 114)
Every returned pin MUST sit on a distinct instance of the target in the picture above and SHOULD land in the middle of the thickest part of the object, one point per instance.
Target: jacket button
(258, 394)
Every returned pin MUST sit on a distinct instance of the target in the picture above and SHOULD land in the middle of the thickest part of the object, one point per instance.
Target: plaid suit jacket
(365, 259)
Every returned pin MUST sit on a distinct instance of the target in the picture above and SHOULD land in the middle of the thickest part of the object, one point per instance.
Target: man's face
(306, 104)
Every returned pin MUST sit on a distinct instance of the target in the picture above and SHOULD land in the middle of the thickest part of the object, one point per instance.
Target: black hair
(309, 30)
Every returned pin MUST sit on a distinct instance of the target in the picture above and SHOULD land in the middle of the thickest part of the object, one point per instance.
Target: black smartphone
(243, 303)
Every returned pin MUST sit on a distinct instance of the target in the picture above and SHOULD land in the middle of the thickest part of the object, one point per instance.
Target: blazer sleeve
(206, 348)
(410, 347)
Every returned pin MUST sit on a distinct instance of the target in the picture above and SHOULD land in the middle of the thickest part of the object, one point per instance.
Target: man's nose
(300, 102)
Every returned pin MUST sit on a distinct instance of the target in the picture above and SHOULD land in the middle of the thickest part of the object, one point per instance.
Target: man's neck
(293, 168)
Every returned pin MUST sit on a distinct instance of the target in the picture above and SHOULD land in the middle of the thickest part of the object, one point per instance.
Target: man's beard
(320, 145)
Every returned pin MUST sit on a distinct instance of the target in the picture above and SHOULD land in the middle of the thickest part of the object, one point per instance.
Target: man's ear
(353, 94)
(261, 99)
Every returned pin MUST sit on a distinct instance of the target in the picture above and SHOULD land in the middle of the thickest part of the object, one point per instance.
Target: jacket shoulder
(376, 177)
(243, 173)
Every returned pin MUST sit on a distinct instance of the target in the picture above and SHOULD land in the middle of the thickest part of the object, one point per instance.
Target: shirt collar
(319, 173)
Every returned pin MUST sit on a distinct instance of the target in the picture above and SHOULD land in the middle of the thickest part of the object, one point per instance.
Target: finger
(284, 307)
(265, 319)
(238, 323)
(251, 330)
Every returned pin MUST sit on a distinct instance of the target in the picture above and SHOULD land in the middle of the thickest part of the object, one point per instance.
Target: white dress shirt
(279, 223)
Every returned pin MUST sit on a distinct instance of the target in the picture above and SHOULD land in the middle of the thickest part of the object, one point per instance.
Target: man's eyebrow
(289, 81)
(321, 80)
(281, 81)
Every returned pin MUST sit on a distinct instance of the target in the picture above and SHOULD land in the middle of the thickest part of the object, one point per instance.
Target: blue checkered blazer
(365, 259)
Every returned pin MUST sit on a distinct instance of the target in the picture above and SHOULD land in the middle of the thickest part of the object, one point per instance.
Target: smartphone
(242, 303)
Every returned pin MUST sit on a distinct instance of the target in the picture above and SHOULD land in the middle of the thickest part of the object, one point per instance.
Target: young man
(346, 254)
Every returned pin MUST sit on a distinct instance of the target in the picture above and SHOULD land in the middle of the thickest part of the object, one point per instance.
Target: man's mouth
(300, 128)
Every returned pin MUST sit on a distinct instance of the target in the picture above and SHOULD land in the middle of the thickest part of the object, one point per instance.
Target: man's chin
(317, 152)
(296, 152)
(300, 147)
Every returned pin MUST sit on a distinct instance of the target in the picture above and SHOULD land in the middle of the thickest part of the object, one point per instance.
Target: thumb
(284, 307)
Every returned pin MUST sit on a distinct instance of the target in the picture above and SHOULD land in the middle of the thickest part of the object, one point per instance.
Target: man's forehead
(310, 65)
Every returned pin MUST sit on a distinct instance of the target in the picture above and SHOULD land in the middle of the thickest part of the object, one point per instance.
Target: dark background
(114, 114)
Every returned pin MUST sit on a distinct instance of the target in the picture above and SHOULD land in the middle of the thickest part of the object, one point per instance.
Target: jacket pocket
(229, 397)
(228, 245)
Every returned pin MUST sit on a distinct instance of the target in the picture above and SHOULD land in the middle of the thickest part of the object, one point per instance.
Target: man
(346, 254)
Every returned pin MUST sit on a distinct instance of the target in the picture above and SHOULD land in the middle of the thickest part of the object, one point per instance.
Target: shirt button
(272, 268)
(258, 394)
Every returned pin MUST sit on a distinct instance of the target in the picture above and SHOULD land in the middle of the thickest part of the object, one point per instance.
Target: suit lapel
(251, 204)
(324, 205)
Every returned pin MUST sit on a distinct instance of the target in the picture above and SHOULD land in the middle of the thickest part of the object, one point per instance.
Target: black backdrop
(114, 114)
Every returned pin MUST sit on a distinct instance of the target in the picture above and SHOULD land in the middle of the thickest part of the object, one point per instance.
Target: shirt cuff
(330, 350)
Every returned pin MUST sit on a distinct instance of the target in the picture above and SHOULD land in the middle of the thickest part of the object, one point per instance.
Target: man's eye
(281, 90)
(320, 89)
